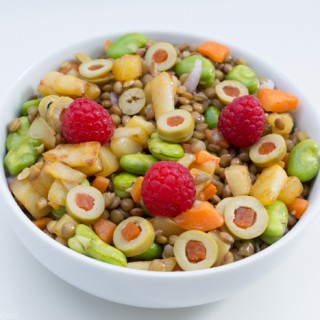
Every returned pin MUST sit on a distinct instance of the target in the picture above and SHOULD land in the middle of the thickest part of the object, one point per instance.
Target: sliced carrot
(130, 231)
(136, 190)
(208, 192)
(214, 50)
(100, 183)
(277, 100)
(42, 223)
(203, 217)
(298, 207)
(208, 167)
(204, 156)
(104, 229)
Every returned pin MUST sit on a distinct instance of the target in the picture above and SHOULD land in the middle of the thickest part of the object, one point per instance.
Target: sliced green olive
(228, 90)
(95, 68)
(246, 217)
(162, 54)
(85, 203)
(137, 163)
(132, 101)
(82, 57)
(268, 150)
(55, 112)
(122, 182)
(133, 243)
(195, 250)
(175, 126)
(45, 103)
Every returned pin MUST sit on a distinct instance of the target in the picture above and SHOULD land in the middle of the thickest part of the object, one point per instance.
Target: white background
(283, 32)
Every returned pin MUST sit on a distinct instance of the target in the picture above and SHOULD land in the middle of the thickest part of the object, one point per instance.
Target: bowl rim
(65, 251)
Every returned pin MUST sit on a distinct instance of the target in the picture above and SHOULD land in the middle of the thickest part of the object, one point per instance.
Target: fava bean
(245, 75)
(127, 44)
(137, 163)
(28, 104)
(165, 150)
(14, 138)
(88, 243)
(211, 117)
(208, 69)
(278, 221)
(122, 182)
(24, 154)
(304, 160)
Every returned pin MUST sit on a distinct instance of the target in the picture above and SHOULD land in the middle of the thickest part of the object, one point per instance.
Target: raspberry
(168, 189)
(242, 121)
(86, 120)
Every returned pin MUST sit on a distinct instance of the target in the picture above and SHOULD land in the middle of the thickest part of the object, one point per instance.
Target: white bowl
(142, 288)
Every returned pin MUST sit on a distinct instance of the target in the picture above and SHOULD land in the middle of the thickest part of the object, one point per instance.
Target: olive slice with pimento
(133, 236)
(85, 203)
(162, 54)
(175, 126)
(195, 250)
(268, 150)
(228, 90)
(246, 217)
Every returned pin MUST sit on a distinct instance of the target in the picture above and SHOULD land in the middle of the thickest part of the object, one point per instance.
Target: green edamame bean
(122, 182)
(211, 117)
(127, 44)
(14, 138)
(154, 252)
(88, 243)
(137, 163)
(304, 160)
(28, 104)
(23, 155)
(278, 221)
(165, 150)
(245, 75)
(208, 70)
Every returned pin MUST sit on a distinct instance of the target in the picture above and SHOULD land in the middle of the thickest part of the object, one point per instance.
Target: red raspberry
(86, 120)
(168, 189)
(242, 121)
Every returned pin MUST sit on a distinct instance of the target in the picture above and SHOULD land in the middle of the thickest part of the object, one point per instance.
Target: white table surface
(284, 32)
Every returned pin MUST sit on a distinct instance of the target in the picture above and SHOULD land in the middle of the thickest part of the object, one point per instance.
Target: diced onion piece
(194, 77)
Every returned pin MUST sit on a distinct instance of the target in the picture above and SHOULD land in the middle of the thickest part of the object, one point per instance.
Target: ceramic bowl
(145, 288)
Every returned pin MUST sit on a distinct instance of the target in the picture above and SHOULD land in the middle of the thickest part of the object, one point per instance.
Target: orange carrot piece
(100, 183)
(42, 223)
(298, 207)
(130, 231)
(204, 156)
(277, 100)
(213, 50)
(104, 229)
(203, 217)
(136, 190)
(208, 192)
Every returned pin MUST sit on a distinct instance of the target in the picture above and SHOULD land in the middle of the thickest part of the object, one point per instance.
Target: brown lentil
(105, 214)
(181, 90)
(115, 119)
(198, 145)
(289, 144)
(201, 178)
(246, 249)
(197, 117)
(117, 216)
(32, 113)
(167, 251)
(228, 258)
(183, 100)
(68, 230)
(172, 239)
(149, 112)
(235, 161)
(157, 265)
(115, 203)
(147, 78)
(187, 95)
(244, 157)
(184, 77)
(125, 119)
(198, 107)
(108, 198)
(14, 125)
(215, 199)
(161, 239)
(117, 87)
(279, 124)
(241, 61)
(136, 212)
(201, 126)
(200, 97)
(210, 92)
(226, 192)
(105, 96)
(220, 75)
(127, 204)
(106, 103)
(198, 135)
(225, 160)
(226, 237)
(292, 220)
(61, 241)
(227, 67)
(115, 110)
(219, 185)
(236, 256)
(186, 107)
(107, 87)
